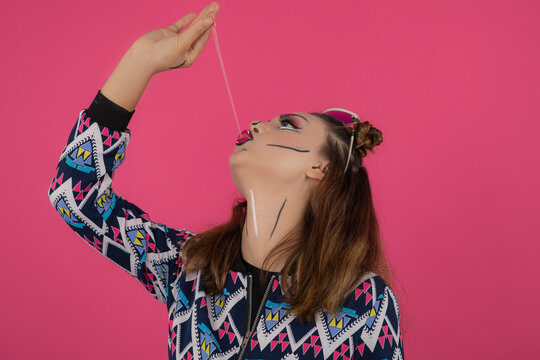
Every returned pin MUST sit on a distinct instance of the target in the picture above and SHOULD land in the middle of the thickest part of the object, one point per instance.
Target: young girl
(297, 272)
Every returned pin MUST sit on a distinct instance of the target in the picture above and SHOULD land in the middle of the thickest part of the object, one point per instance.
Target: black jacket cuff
(108, 113)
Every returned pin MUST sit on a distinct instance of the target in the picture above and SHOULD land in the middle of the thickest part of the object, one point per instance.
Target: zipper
(250, 331)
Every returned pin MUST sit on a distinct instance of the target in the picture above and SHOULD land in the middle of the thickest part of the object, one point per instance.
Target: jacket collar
(238, 265)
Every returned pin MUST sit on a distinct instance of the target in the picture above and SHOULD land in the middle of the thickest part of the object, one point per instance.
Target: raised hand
(170, 48)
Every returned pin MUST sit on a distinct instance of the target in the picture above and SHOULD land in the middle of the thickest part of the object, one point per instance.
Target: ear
(317, 171)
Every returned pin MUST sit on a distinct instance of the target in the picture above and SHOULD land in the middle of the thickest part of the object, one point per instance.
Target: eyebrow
(285, 115)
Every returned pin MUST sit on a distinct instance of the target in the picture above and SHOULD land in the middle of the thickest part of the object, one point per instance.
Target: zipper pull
(246, 339)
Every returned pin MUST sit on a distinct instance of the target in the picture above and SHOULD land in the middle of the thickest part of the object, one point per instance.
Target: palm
(157, 35)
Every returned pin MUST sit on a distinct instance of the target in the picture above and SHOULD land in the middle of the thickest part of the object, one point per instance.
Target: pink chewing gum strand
(214, 31)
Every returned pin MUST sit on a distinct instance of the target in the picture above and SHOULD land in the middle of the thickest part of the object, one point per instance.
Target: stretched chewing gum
(214, 31)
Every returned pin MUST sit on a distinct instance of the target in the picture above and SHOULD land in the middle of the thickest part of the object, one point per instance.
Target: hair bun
(366, 137)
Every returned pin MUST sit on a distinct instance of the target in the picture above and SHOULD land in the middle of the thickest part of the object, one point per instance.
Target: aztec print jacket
(203, 326)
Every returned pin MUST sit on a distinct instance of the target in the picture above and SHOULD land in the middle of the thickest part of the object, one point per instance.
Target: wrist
(138, 57)
(128, 81)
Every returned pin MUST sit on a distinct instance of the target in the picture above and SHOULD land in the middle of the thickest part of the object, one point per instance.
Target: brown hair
(327, 253)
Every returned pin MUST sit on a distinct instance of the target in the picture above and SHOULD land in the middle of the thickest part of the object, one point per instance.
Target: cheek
(288, 164)
(278, 164)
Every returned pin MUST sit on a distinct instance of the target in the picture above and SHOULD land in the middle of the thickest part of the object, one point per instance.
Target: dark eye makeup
(284, 119)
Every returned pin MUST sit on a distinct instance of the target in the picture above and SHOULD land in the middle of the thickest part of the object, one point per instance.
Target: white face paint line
(253, 210)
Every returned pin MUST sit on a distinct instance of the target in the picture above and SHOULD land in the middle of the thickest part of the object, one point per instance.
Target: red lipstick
(244, 136)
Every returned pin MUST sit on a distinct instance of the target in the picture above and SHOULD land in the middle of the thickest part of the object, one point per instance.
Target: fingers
(186, 19)
(197, 27)
(212, 7)
(198, 45)
(180, 24)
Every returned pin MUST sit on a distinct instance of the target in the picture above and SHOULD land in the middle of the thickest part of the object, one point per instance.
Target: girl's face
(279, 152)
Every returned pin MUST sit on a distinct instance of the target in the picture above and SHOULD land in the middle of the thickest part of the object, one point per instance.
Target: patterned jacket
(202, 326)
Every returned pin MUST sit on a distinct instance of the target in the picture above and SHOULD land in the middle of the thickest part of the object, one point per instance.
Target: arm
(81, 189)
(128, 81)
(81, 192)
(158, 51)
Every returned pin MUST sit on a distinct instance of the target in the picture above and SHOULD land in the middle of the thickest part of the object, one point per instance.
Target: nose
(254, 128)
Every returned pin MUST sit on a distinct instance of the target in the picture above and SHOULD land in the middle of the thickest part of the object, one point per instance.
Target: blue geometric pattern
(340, 321)
(274, 312)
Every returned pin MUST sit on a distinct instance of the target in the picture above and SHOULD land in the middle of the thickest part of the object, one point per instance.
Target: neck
(270, 216)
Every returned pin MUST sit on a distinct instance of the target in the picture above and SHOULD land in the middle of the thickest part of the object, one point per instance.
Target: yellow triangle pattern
(163, 271)
(274, 317)
(138, 238)
(64, 211)
(82, 151)
(102, 199)
(339, 324)
(205, 348)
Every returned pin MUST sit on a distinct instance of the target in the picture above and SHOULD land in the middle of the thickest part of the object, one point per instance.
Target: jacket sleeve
(82, 194)
(381, 336)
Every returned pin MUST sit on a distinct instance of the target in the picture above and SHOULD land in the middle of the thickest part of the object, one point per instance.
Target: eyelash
(285, 120)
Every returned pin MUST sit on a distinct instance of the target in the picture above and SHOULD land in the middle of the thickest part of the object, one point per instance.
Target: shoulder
(373, 294)
(376, 307)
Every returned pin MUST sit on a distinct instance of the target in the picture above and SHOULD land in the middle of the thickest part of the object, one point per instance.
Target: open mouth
(244, 136)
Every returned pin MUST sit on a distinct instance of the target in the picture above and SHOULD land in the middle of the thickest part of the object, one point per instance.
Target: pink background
(453, 85)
